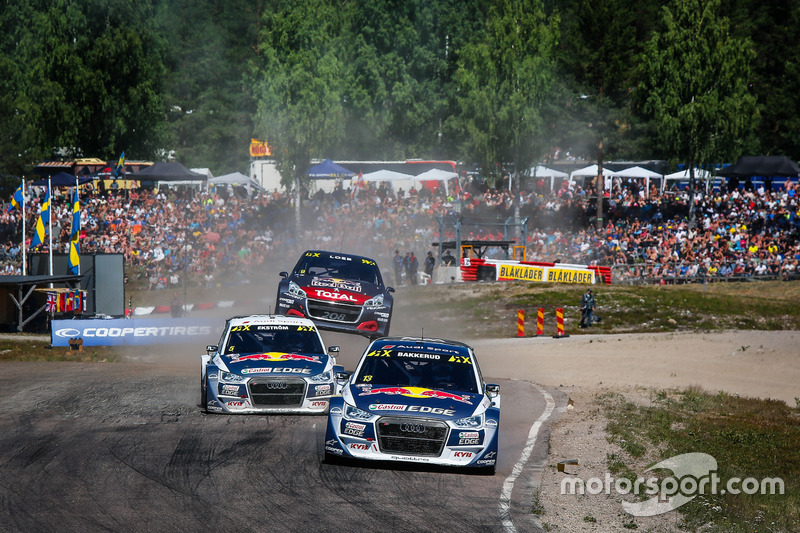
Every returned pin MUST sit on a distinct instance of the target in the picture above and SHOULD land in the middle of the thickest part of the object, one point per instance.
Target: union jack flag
(52, 302)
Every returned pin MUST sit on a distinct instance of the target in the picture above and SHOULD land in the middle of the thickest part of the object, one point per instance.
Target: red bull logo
(336, 283)
(418, 392)
(275, 357)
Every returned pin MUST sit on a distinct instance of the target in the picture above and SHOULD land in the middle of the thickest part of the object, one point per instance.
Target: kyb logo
(693, 474)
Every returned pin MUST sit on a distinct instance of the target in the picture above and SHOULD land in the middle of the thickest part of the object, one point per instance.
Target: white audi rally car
(415, 400)
(268, 364)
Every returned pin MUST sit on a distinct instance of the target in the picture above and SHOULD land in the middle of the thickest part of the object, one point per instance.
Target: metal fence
(684, 273)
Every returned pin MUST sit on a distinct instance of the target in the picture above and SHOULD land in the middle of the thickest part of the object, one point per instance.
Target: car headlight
(469, 422)
(232, 378)
(355, 412)
(377, 301)
(296, 291)
(322, 377)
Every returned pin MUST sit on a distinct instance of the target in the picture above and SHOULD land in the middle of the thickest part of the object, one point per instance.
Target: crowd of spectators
(220, 235)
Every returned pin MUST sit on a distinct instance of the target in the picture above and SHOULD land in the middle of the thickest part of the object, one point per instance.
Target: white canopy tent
(435, 174)
(638, 172)
(591, 172)
(237, 178)
(683, 175)
(397, 180)
(540, 171)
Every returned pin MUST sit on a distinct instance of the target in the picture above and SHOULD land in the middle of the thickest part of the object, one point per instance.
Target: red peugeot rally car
(339, 292)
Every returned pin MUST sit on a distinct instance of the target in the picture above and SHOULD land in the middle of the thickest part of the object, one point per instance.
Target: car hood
(337, 289)
(415, 401)
(274, 363)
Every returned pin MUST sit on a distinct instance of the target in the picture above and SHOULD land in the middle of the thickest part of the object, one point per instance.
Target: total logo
(335, 295)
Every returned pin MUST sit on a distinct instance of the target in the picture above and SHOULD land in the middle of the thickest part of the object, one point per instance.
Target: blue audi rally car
(415, 400)
(268, 364)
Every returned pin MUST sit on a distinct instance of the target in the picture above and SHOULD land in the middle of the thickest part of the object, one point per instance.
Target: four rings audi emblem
(412, 428)
(277, 385)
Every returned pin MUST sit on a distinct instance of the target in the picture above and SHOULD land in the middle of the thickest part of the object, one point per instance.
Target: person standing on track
(397, 264)
(412, 266)
(430, 263)
(587, 309)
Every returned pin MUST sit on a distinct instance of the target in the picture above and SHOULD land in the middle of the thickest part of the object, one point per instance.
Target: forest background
(496, 84)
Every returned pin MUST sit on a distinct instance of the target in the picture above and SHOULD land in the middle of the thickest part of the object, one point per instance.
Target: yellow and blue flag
(16, 200)
(120, 163)
(43, 222)
(74, 246)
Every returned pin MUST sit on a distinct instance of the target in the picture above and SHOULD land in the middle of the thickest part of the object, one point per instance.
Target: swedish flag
(120, 163)
(43, 222)
(74, 247)
(16, 200)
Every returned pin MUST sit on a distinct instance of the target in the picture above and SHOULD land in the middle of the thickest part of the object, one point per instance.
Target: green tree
(210, 108)
(597, 52)
(503, 81)
(298, 82)
(694, 84)
(776, 70)
(79, 79)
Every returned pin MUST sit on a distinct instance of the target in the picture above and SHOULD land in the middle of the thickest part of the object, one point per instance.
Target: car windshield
(332, 266)
(263, 339)
(400, 366)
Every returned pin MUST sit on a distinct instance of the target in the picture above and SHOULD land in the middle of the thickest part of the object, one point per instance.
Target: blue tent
(62, 179)
(329, 169)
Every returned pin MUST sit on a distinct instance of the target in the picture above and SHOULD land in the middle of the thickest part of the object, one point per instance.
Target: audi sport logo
(277, 385)
(412, 428)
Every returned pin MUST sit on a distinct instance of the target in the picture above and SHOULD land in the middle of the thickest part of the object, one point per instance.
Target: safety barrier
(560, 331)
(479, 269)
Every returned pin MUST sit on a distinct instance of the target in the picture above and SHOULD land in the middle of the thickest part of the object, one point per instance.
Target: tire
(332, 459)
(487, 470)
(204, 394)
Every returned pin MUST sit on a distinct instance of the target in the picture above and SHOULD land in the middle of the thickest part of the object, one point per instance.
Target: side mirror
(211, 348)
(284, 274)
(342, 376)
(389, 289)
(492, 390)
(333, 351)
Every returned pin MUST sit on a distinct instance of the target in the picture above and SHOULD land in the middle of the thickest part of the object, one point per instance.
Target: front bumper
(335, 316)
(267, 395)
(411, 439)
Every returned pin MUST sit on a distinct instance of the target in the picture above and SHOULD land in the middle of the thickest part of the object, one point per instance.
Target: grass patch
(749, 438)
(492, 307)
(35, 350)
